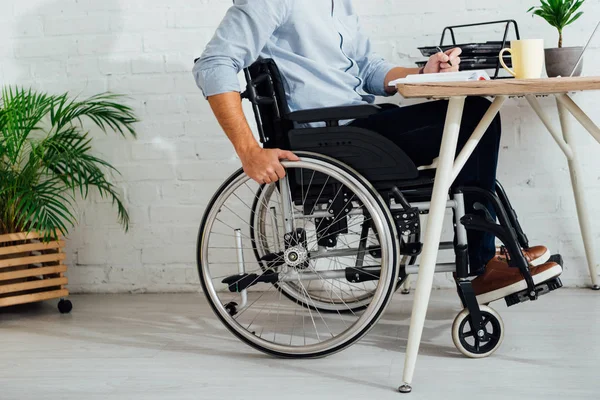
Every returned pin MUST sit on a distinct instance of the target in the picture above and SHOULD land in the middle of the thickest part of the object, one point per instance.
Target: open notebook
(463, 76)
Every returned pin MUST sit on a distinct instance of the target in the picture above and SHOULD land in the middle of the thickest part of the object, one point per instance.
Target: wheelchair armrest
(333, 113)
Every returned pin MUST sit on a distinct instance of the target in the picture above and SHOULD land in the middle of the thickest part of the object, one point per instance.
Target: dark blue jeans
(418, 131)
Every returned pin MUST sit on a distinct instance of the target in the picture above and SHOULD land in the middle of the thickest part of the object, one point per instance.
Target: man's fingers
(442, 57)
(446, 70)
(450, 69)
(453, 53)
(280, 171)
(288, 155)
(454, 64)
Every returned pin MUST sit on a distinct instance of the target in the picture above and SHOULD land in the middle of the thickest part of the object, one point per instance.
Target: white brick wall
(145, 48)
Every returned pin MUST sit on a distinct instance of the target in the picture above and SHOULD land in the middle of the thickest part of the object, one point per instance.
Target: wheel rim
(316, 298)
(492, 334)
(325, 333)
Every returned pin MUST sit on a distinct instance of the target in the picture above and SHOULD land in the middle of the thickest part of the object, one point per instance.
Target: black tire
(393, 265)
(493, 329)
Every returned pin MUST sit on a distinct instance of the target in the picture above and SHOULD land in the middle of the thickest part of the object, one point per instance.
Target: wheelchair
(305, 267)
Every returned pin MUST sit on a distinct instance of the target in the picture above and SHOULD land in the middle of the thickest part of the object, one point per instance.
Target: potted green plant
(46, 163)
(560, 61)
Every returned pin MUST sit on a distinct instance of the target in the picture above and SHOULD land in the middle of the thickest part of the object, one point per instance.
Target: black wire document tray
(488, 48)
(485, 55)
(474, 63)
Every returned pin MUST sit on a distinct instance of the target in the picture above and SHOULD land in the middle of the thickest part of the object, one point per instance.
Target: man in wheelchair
(325, 60)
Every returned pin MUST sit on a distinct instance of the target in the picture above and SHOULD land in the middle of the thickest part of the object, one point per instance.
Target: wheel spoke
(293, 315)
(484, 320)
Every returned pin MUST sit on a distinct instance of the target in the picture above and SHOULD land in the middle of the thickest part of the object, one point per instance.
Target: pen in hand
(442, 51)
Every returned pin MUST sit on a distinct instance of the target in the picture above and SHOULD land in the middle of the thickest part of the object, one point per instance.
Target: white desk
(449, 167)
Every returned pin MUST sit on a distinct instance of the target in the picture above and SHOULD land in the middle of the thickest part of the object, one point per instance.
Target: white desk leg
(433, 233)
(580, 115)
(582, 209)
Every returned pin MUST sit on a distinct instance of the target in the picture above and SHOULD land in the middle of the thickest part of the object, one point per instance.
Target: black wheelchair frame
(405, 189)
(383, 164)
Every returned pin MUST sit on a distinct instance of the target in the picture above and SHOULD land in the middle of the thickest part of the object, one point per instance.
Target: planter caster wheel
(65, 306)
(231, 308)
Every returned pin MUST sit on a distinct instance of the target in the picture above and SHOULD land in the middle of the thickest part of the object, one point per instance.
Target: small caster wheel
(479, 344)
(65, 306)
(231, 308)
(596, 287)
(405, 291)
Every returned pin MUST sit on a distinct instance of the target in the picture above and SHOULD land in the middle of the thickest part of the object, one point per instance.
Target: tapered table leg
(441, 187)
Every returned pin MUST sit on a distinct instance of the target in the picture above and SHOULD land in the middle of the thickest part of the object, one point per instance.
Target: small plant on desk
(559, 14)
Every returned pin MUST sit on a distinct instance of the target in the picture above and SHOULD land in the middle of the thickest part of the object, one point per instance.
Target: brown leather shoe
(500, 280)
(535, 256)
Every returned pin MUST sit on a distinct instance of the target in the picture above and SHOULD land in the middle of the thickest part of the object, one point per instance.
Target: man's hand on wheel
(264, 165)
(448, 61)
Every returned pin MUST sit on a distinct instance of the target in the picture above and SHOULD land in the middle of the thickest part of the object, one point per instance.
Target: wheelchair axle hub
(296, 256)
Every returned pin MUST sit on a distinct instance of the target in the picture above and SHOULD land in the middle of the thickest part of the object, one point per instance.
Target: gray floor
(172, 347)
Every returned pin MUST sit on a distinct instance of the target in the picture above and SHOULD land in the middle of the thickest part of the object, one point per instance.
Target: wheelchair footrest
(239, 283)
(557, 258)
(541, 289)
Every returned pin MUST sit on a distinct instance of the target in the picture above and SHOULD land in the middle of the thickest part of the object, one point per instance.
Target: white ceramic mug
(527, 58)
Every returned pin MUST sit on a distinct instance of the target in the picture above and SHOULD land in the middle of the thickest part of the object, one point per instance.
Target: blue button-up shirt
(324, 57)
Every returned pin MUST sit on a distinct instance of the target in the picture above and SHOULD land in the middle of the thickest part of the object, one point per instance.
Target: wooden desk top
(508, 87)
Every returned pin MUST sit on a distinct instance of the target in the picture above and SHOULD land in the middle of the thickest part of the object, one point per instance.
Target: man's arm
(237, 43)
(398, 73)
(260, 164)
(437, 63)
(377, 73)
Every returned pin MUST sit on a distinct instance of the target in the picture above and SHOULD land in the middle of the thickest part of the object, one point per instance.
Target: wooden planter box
(31, 270)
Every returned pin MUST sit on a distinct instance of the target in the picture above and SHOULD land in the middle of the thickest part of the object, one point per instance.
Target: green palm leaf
(22, 112)
(46, 157)
(103, 109)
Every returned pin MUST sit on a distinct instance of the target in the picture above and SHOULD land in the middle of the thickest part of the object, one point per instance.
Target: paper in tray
(464, 76)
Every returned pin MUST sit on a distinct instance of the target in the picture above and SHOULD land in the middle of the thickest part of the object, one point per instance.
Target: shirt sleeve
(373, 68)
(237, 43)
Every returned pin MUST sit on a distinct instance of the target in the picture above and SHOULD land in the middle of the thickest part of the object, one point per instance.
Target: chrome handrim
(265, 320)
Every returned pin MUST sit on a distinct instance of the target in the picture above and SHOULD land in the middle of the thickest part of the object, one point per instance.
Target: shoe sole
(541, 260)
(517, 287)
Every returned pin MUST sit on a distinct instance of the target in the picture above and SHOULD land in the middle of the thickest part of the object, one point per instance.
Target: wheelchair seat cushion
(372, 155)
(334, 113)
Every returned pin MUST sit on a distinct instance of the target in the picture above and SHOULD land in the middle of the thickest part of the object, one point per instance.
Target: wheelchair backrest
(266, 92)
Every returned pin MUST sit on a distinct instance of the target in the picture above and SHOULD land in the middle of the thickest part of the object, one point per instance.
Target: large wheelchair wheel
(326, 241)
(263, 226)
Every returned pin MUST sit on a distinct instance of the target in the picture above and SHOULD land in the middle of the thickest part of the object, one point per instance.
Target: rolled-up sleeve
(373, 68)
(237, 43)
